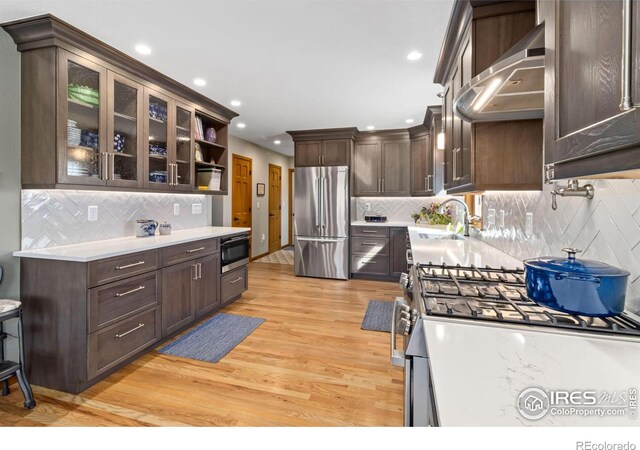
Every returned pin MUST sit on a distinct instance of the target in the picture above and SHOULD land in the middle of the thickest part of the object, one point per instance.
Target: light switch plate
(368, 206)
(176, 209)
(258, 205)
(92, 213)
(529, 224)
(196, 208)
(501, 218)
(491, 217)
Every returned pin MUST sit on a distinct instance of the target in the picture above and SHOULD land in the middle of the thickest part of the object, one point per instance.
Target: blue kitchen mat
(378, 316)
(214, 338)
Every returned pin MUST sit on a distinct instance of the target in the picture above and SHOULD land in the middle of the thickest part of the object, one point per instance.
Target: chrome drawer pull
(139, 263)
(196, 250)
(122, 294)
(368, 243)
(369, 231)
(364, 263)
(236, 280)
(118, 336)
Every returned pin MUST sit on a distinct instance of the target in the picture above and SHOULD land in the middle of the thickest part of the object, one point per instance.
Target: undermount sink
(440, 234)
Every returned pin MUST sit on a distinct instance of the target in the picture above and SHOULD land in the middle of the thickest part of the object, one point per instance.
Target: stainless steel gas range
(492, 295)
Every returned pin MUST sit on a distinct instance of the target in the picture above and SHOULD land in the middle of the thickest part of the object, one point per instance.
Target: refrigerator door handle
(320, 240)
(322, 218)
(318, 203)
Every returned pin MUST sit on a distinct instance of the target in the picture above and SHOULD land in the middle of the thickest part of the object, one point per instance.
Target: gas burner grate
(500, 295)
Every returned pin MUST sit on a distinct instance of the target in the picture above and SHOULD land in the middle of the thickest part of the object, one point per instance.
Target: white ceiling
(294, 64)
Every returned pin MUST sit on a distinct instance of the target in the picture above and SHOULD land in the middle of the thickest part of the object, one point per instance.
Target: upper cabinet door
(159, 172)
(584, 87)
(448, 117)
(82, 121)
(336, 152)
(465, 154)
(308, 154)
(125, 131)
(421, 168)
(184, 148)
(395, 168)
(367, 174)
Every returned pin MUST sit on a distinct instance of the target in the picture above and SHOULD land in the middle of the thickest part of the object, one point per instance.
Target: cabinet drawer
(118, 267)
(370, 231)
(116, 301)
(370, 245)
(233, 284)
(116, 343)
(190, 250)
(376, 265)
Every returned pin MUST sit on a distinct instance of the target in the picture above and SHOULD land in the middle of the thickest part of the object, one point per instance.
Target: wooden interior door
(275, 207)
(241, 194)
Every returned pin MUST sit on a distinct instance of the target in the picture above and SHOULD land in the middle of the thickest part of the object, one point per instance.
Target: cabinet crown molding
(48, 31)
(327, 133)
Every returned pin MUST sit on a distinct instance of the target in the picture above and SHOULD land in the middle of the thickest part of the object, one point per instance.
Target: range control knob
(406, 325)
(404, 281)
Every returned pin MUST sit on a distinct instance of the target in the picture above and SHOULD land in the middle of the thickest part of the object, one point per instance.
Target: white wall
(260, 159)
(9, 165)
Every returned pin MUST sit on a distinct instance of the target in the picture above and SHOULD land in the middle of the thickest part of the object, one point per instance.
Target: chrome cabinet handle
(199, 271)
(426, 184)
(104, 163)
(113, 166)
(139, 263)
(193, 250)
(369, 231)
(429, 182)
(122, 294)
(626, 103)
(140, 325)
(236, 280)
(369, 243)
(364, 263)
(175, 174)
(383, 185)
(170, 178)
(194, 271)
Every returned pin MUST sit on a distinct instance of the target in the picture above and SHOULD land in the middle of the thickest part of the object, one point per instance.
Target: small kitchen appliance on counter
(374, 218)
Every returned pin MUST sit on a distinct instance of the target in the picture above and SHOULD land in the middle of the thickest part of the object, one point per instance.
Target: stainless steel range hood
(511, 89)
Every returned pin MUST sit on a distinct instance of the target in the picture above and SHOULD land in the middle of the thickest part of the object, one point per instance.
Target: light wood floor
(309, 364)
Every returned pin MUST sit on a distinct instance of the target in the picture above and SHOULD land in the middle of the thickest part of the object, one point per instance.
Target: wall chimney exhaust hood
(511, 89)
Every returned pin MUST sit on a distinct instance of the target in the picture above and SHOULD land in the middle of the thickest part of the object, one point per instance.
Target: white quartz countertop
(480, 370)
(465, 251)
(391, 223)
(91, 251)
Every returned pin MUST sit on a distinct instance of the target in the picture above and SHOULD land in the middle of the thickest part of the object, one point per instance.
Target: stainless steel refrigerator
(321, 222)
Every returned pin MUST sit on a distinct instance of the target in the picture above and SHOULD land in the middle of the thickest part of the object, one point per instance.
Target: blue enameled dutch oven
(577, 286)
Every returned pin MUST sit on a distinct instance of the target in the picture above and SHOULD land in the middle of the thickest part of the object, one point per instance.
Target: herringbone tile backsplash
(606, 228)
(397, 209)
(59, 217)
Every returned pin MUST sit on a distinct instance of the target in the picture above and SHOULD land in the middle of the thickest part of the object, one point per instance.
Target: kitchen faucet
(573, 189)
(466, 212)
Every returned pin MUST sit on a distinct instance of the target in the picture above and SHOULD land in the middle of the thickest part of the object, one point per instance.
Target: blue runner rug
(378, 316)
(214, 338)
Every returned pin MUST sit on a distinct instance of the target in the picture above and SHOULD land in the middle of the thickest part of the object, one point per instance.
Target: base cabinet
(85, 320)
(378, 252)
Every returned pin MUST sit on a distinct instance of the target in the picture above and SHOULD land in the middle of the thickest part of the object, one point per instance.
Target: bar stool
(12, 309)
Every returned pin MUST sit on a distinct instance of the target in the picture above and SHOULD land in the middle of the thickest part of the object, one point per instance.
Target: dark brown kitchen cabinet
(398, 240)
(326, 147)
(486, 155)
(84, 320)
(592, 83)
(177, 298)
(425, 178)
(94, 117)
(381, 164)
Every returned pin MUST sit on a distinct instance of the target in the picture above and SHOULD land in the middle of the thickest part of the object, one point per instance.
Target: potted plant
(430, 215)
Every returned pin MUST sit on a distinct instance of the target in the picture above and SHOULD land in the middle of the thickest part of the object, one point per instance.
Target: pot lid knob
(571, 252)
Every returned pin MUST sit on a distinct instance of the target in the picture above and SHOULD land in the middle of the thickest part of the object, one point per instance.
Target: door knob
(235, 219)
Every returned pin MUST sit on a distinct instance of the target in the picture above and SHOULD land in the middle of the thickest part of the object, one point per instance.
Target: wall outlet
(196, 208)
(367, 206)
(491, 217)
(92, 213)
(262, 237)
(529, 224)
(176, 209)
(258, 205)
(501, 218)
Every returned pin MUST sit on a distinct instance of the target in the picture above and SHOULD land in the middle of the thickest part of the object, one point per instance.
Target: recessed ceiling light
(277, 142)
(143, 49)
(240, 125)
(409, 121)
(414, 55)
(370, 127)
(199, 82)
(236, 103)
